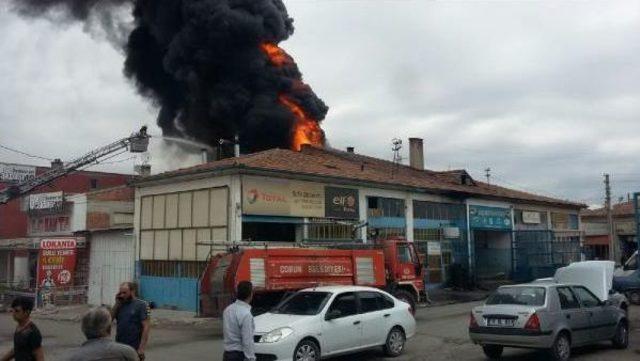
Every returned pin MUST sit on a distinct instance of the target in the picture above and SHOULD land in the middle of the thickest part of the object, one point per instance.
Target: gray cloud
(544, 93)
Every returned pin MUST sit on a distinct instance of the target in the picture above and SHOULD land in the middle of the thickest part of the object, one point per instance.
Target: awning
(272, 219)
(596, 240)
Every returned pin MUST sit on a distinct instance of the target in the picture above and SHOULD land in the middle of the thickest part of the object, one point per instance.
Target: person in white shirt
(238, 326)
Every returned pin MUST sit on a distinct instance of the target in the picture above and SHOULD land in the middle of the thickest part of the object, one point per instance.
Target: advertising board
(57, 262)
(16, 172)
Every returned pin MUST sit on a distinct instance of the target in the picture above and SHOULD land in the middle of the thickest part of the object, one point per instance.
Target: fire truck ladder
(137, 143)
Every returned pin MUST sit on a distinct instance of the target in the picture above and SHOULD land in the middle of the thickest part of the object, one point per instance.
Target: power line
(24, 153)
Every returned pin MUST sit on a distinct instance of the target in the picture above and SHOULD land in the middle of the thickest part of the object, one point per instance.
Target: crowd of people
(132, 331)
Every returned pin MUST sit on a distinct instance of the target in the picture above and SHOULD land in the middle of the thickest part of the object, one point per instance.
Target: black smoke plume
(201, 63)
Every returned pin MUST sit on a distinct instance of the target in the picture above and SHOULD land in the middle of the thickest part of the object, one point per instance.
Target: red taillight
(472, 321)
(533, 323)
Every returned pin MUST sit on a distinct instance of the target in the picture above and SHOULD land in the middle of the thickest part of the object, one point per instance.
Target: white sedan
(329, 321)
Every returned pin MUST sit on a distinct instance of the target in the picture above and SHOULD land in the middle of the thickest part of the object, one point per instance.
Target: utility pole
(613, 249)
(487, 173)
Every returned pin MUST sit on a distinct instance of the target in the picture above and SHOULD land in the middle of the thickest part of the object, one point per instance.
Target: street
(441, 335)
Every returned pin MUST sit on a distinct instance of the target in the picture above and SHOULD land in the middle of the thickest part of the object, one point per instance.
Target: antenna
(487, 173)
(397, 157)
(397, 145)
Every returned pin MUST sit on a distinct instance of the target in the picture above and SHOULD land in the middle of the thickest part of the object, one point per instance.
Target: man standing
(132, 317)
(96, 326)
(238, 327)
(27, 340)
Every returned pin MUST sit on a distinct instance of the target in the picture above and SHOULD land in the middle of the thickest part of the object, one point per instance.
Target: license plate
(500, 322)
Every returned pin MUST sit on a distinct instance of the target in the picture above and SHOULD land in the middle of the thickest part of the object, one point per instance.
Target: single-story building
(467, 229)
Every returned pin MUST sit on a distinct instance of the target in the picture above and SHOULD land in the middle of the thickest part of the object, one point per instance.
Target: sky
(545, 93)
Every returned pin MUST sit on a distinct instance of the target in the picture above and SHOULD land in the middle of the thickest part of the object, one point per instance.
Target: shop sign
(529, 217)
(433, 248)
(341, 203)
(489, 217)
(57, 262)
(625, 227)
(42, 201)
(16, 173)
(274, 197)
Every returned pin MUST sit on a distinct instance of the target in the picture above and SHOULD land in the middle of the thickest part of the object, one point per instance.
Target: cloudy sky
(545, 93)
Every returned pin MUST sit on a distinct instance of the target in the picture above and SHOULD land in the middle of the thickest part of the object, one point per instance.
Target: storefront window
(386, 217)
(431, 219)
(332, 231)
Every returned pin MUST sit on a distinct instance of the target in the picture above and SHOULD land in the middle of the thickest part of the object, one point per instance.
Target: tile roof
(620, 209)
(356, 167)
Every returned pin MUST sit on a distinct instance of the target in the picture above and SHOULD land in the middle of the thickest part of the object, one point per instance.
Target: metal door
(110, 264)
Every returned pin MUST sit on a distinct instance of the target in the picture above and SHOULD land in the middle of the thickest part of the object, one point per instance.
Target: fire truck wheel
(395, 342)
(407, 297)
(307, 350)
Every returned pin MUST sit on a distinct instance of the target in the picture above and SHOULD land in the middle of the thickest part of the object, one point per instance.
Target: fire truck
(390, 264)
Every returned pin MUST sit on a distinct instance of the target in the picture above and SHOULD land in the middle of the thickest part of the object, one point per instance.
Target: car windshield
(303, 303)
(528, 296)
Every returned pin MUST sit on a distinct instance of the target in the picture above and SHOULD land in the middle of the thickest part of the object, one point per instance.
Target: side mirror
(332, 315)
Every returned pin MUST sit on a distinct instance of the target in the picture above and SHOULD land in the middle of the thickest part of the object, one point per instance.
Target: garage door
(111, 264)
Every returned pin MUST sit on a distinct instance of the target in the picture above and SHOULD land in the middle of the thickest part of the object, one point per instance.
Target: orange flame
(306, 130)
(277, 56)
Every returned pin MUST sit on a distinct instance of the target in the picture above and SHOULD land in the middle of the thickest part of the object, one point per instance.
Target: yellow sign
(280, 197)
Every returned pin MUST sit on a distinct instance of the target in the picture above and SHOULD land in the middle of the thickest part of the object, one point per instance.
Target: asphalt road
(441, 336)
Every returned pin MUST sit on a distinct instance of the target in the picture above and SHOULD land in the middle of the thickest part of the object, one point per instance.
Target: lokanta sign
(272, 197)
(57, 262)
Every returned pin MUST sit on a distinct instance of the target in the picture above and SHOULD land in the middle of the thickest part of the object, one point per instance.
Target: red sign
(57, 262)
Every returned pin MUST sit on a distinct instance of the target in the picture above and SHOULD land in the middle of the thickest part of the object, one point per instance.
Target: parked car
(627, 279)
(552, 315)
(328, 321)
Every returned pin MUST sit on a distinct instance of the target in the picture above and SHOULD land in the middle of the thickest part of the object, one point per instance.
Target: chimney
(143, 170)
(350, 149)
(205, 155)
(416, 153)
(236, 146)
(57, 164)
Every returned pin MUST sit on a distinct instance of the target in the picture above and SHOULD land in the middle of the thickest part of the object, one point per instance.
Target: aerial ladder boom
(137, 143)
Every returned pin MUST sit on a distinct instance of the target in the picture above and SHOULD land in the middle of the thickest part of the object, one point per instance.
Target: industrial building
(469, 231)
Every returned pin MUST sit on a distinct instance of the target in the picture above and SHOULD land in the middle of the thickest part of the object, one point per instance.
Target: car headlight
(276, 335)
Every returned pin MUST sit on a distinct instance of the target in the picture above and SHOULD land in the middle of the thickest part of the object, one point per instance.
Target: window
(387, 302)
(370, 301)
(303, 303)
(567, 298)
(94, 183)
(587, 299)
(345, 303)
(528, 296)
(404, 254)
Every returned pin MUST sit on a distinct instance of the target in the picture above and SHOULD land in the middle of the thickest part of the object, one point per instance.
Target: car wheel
(621, 338)
(493, 351)
(407, 297)
(634, 297)
(306, 350)
(395, 342)
(561, 349)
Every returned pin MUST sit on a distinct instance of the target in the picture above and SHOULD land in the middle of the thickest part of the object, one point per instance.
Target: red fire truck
(391, 264)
